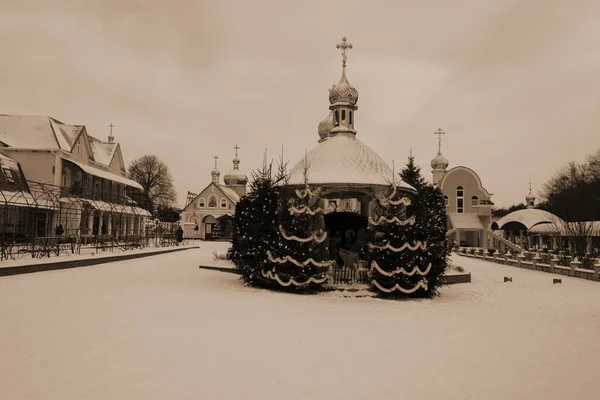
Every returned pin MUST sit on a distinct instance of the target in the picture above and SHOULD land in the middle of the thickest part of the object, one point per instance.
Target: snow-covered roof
(345, 160)
(465, 221)
(529, 218)
(107, 175)
(591, 228)
(229, 192)
(37, 132)
(103, 152)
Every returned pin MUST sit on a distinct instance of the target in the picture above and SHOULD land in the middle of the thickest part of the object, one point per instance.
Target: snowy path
(160, 328)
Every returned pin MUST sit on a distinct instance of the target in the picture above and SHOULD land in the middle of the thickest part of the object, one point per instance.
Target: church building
(208, 215)
(468, 203)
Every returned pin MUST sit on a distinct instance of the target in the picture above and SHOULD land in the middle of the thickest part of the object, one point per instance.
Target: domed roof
(439, 162)
(343, 92)
(529, 218)
(326, 126)
(235, 177)
(343, 159)
(530, 196)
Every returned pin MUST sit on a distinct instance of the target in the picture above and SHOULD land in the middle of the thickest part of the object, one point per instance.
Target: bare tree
(154, 176)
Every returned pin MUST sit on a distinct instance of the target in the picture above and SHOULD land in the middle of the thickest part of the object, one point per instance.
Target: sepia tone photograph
(336, 200)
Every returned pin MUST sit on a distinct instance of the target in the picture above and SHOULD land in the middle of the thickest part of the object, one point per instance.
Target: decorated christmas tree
(430, 214)
(254, 228)
(217, 232)
(301, 261)
(397, 266)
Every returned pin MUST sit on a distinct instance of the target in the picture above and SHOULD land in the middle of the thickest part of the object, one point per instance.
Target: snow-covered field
(160, 328)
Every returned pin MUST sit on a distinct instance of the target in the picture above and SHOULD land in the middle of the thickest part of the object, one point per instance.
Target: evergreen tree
(428, 207)
(408, 251)
(301, 261)
(254, 228)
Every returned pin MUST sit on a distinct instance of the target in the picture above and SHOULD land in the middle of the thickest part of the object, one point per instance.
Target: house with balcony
(83, 178)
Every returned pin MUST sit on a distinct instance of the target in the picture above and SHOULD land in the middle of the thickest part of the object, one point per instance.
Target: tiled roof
(233, 196)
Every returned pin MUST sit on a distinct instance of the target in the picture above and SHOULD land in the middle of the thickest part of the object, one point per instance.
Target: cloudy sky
(515, 84)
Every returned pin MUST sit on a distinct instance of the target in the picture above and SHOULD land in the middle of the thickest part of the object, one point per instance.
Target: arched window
(212, 201)
(460, 192)
(474, 201)
(350, 117)
(223, 203)
(343, 115)
(336, 118)
(201, 203)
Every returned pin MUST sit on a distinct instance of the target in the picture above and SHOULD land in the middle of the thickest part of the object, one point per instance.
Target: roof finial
(439, 132)
(110, 135)
(529, 186)
(236, 148)
(344, 46)
(216, 158)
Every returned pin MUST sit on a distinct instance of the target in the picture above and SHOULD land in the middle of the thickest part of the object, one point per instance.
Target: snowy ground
(160, 328)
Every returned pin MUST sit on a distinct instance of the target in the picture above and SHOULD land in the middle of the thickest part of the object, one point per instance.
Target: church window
(474, 201)
(350, 117)
(343, 115)
(201, 203)
(336, 118)
(223, 203)
(212, 201)
(460, 192)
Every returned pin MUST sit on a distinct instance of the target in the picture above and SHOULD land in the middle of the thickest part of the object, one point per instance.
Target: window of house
(201, 203)
(474, 201)
(460, 192)
(212, 201)
(8, 174)
(350, 117)
(223, 203)
(343, 115)
(336, 118)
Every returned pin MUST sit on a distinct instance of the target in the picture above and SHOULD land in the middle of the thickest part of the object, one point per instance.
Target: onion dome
(530, 198)
(215, 172)
(326, 126)
(235, 177)
(439, 162)
(343, 92)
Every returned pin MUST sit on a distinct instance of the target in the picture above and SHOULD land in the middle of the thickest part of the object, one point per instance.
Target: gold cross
(439, 132)
(216, 158)
(344, 46)
(236, 147)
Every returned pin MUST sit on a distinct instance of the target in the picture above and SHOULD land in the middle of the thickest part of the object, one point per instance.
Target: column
(100, 222)
(484, 239)
(130, 224)
(109, 224)
(91, 223)
(457, 233)
(540, 242)
(554, 243)
(529, 241)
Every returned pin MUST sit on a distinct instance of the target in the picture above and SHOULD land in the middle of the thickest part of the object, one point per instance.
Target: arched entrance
(347, 233)
(209, 222)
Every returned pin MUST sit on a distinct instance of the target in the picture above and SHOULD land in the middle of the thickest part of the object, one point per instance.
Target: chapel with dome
(347, 172)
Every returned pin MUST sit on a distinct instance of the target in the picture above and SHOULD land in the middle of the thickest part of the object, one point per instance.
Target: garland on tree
(301, 259)
(424, 236)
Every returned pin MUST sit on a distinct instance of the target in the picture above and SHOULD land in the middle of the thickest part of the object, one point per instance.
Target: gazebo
(345, 171)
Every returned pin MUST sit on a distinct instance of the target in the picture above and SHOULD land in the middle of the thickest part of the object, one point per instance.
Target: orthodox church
(468, 203)
(208, 215)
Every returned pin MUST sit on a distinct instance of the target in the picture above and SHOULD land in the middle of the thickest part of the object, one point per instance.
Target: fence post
(597, 269)
(553, 261)
(575, 264)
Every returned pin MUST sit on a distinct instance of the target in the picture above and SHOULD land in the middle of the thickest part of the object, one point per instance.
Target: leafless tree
(154, 176)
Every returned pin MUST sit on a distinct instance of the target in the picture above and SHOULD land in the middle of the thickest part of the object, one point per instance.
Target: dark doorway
(347, 231)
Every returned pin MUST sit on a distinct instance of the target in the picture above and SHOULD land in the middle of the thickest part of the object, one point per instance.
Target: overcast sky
(515, 84)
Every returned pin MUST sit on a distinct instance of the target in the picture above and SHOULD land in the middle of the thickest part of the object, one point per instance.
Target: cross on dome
(236, 148)
(439, 132)
(111, 138)
(216, 158)
(530, 186)
(344, 46)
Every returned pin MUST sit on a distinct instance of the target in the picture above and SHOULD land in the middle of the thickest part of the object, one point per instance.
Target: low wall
(85, 262)
(533, 265)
